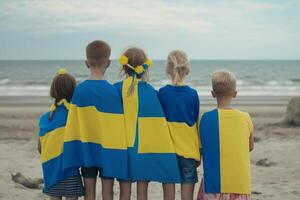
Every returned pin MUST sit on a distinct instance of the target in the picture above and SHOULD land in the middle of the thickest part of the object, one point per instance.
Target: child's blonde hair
(177, 66)
(136, 57)
(223, 82)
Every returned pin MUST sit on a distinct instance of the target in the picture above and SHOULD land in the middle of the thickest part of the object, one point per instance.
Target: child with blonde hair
(226, 139)
(57, 182)
(151, 152)
(181, 105)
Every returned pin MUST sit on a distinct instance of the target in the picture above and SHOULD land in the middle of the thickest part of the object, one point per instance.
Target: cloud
(194, 17)
(223, 29)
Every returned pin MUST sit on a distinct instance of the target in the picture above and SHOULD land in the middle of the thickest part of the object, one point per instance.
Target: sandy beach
(275, 159)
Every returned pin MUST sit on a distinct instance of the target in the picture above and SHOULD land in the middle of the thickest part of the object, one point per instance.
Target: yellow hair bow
(123, 60)
(62, 71)
(61, 102)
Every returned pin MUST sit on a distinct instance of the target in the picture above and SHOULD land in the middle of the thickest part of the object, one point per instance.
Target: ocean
(255, 77)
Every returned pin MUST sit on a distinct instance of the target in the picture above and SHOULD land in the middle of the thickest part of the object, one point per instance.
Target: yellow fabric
(130, 105)
(234, 141)
(154, 136)
(87, 124)
(61, 102)
(52, 144)
(185, 139)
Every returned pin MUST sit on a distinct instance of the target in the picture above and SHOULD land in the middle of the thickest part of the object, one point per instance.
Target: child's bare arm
(39, 148)
(251, 142)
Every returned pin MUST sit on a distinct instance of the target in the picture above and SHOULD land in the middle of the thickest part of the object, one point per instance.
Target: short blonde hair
(223, 82)
(177, 65)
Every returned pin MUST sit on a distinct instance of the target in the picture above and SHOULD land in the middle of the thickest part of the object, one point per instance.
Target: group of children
(132, 133)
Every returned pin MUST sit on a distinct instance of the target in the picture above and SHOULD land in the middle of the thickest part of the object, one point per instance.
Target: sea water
(255, 77)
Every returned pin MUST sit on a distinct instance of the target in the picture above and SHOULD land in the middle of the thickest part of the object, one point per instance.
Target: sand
(275, 159)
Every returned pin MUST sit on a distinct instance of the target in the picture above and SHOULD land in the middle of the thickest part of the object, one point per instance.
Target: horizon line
(163, 59)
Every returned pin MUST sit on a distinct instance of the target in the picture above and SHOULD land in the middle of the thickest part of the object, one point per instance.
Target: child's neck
(97, 73)
(180, 83)
(224, 103)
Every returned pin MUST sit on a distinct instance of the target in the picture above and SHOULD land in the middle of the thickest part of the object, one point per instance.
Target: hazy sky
(205, 29)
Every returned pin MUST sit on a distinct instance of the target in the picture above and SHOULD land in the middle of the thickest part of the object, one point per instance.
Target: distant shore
(204, 101)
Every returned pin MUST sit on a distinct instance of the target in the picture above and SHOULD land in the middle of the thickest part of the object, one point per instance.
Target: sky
(205, 29)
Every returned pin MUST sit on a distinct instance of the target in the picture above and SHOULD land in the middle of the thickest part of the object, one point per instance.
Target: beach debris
(33, 183)
(292, 115)
(256, 139)
(255, 192)
(265, 162)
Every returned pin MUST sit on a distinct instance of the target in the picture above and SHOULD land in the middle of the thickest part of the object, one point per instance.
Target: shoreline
(258, 100)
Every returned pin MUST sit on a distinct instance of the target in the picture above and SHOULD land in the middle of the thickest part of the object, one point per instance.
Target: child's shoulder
(213, 112)
(44, 118)
(89, 86)
(60, 114)
(185, 88)
(118, 85)
(244, 115)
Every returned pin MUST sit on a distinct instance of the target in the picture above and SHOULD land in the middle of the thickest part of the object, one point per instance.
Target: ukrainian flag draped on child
(150, 149)
(95, 133)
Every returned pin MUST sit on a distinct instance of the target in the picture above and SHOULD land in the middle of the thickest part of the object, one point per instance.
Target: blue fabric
(113, 162)
(58, 121)
(160, 167)
(94, 155)
(149, 105)
(53, 172)
(209, 134)
(98, 93)
(52, 169)
(180, 104)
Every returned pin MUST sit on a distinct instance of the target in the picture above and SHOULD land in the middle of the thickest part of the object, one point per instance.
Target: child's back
(150, 146)
(181, 106)
(52, 130)
(225, 150)
(95, 129)
(95, 133)
(226, 140)
(150, 150)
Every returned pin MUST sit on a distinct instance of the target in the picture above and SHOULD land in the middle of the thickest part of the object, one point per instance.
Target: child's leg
(55, 198)
(142, 190)
(187, 191)
(71, 198)
(169, 191)
(90, 188)
(125, 190)
(89, 175)
(188, 172)
(107, 188)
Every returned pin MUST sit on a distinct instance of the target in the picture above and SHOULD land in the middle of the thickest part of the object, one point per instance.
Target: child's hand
(39, 146)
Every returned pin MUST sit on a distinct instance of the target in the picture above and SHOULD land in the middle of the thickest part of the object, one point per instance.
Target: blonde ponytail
(177, 66)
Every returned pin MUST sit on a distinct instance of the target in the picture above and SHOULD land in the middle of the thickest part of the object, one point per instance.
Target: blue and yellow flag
(181, 106)
(225, 150)
(95, 131)
(51, 138)
(151, 152)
